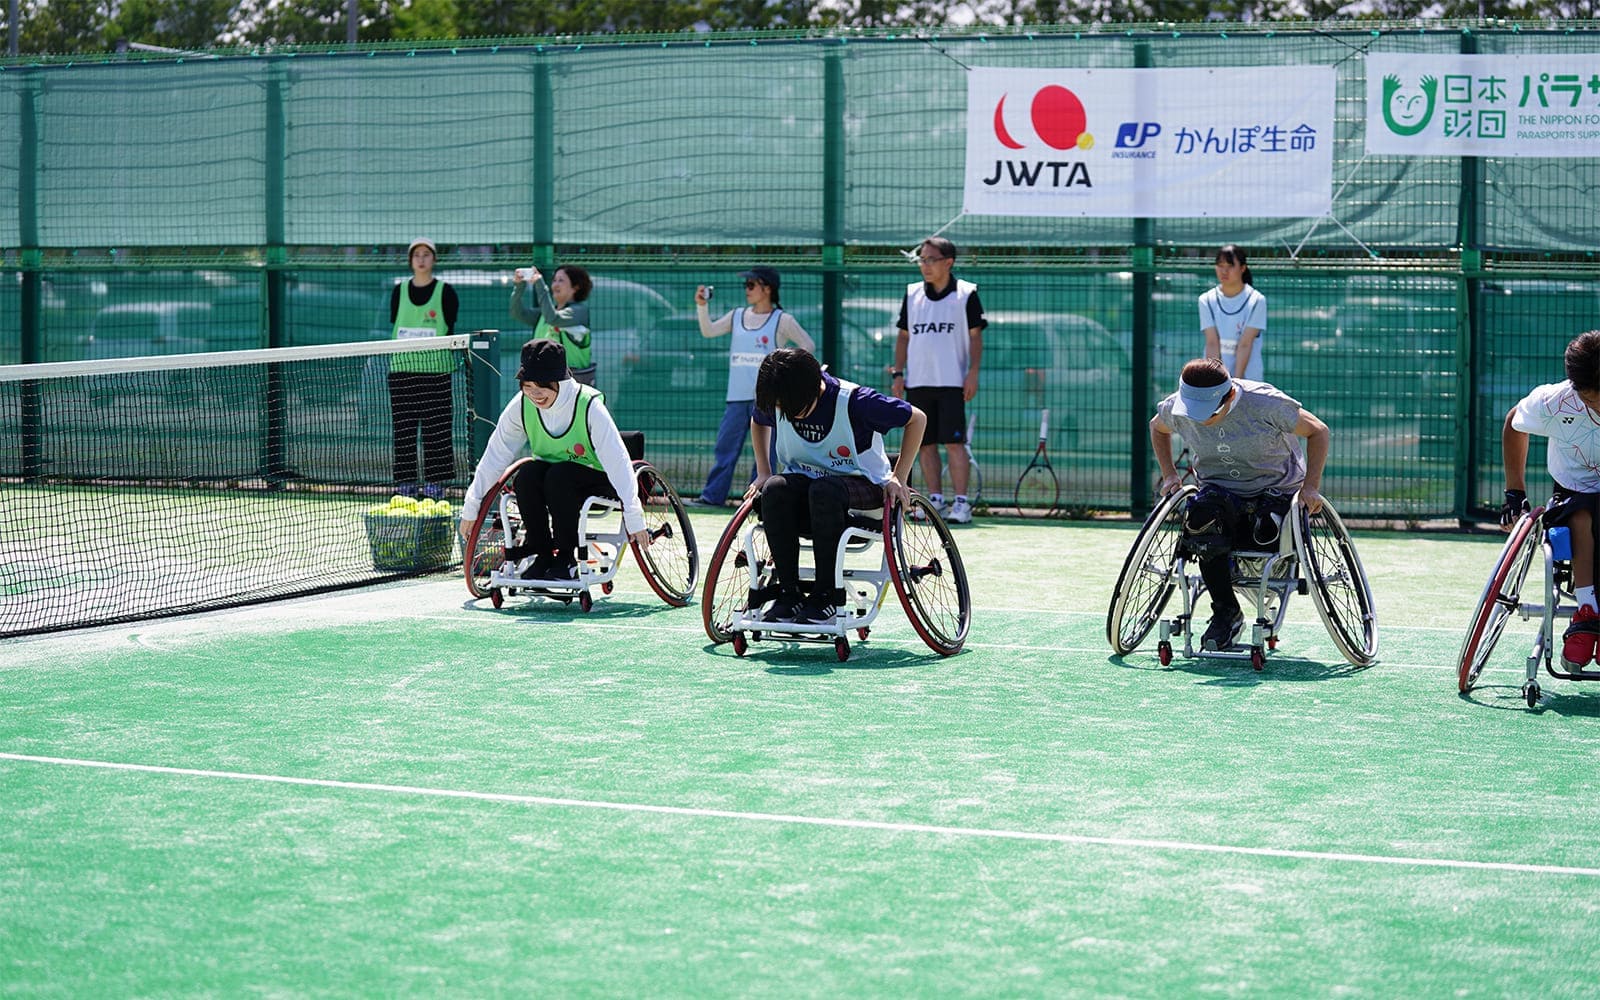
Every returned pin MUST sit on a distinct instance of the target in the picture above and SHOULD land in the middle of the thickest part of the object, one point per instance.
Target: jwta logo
(1058, 120)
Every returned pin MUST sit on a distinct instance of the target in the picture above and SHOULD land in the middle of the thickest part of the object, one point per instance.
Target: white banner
(1150, 143)
(1466, 105)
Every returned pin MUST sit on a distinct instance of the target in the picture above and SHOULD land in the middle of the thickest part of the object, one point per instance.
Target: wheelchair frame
(1502, 597)
(1316, 556)
(915, 556)
(603, 544)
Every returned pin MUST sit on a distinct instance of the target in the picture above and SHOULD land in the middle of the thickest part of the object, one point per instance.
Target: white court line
(823, 821)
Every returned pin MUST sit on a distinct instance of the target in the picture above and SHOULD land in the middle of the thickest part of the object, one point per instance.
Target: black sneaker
(1222, 631)
(548, 569)
(782, 612)
(817, 611)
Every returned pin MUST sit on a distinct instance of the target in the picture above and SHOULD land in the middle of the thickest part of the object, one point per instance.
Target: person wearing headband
(1245, 437)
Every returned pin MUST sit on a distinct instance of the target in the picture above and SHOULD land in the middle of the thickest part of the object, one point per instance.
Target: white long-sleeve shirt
(509, 442)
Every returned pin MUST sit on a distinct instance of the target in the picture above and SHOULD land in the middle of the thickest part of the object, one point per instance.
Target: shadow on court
(539, 609)
(792, 659)
(1237, 673)
(1567, 699)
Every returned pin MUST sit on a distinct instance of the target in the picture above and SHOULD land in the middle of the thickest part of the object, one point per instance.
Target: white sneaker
(960, 512)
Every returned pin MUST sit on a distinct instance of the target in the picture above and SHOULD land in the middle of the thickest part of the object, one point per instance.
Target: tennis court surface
(393, 791)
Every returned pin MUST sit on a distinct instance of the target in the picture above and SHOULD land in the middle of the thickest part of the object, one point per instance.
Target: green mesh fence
(164, 207)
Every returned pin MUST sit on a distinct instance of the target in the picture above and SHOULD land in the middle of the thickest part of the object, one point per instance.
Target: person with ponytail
(1233, 316)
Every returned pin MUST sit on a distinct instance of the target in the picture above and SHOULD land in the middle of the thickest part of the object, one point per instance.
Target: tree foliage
(73, 26)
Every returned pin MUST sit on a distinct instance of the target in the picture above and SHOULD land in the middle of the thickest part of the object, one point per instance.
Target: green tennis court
(394, 791)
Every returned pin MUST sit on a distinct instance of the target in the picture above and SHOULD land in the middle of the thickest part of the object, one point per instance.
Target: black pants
(792, 506)
(1217, 521)
(550, 496)
(420, 402)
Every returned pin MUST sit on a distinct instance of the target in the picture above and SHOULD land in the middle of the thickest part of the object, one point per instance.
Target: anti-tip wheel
(585, 602)
(740, 644)
(1164, 653)
(496, 596)
(1530, 694)
(1258, 658)
(841, 648)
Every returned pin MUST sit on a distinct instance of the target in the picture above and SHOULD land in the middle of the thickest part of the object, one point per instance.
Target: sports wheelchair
(1502, 597)
(910, 548)
(1315, 555)
(671, 563)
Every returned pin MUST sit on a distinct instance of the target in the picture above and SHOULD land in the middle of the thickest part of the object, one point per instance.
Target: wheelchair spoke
(1147, 576)
(929, 577)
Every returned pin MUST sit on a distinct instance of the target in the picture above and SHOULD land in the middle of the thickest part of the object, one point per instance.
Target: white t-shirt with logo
(1573, 454)
(1231, 314)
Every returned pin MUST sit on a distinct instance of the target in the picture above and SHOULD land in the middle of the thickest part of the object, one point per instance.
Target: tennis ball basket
(410, 543)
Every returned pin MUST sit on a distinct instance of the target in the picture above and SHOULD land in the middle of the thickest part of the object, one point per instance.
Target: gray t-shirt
(1253, 448)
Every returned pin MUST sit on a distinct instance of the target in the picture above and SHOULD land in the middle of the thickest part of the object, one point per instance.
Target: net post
(483, 378)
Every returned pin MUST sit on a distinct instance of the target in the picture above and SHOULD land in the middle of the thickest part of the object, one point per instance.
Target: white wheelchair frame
(1314, 555)
(1502, 598)
(601, 534)
(873, 555)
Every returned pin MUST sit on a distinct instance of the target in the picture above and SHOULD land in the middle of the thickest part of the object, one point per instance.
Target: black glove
(1515, 506)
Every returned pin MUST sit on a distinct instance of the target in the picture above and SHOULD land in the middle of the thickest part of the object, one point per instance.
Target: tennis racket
(1038, 492)
(974, 474)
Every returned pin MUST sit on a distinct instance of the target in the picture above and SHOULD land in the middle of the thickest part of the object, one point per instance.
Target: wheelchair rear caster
(740, 644)
(841, 648)
(496, 597)
(1258, 658)
(862, 633)
(1164, 654)
(1530, 694)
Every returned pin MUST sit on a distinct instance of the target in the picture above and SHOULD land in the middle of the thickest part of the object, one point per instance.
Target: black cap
(766, 275)
(543, 361)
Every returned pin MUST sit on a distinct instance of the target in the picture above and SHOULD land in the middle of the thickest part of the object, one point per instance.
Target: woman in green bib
(578, 453)
(419, 382)
(562, 314)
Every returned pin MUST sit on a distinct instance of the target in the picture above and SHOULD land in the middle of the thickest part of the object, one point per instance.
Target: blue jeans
(735, 427)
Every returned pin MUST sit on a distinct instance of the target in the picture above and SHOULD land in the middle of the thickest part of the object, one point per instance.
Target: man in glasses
(936, 358)
(1242, 435)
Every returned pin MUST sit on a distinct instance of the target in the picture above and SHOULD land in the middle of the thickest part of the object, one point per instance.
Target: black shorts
(1564, 503)
(946, 410)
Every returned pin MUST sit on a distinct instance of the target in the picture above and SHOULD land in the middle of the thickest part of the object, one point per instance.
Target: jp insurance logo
(1250, 141)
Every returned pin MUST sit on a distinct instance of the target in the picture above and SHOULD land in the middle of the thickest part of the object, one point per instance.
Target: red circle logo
(1057, 117)
(843, 451)
(577, 450)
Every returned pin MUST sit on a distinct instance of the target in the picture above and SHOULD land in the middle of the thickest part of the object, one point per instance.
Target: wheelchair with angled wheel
(911, 551)
(1314, 554)
(1503, 598)
(670, 563)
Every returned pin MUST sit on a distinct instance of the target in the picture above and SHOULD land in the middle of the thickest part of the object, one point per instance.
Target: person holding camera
(562, 314)
(758, 328)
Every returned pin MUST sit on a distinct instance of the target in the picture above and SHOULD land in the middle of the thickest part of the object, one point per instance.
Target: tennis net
(140, 487)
